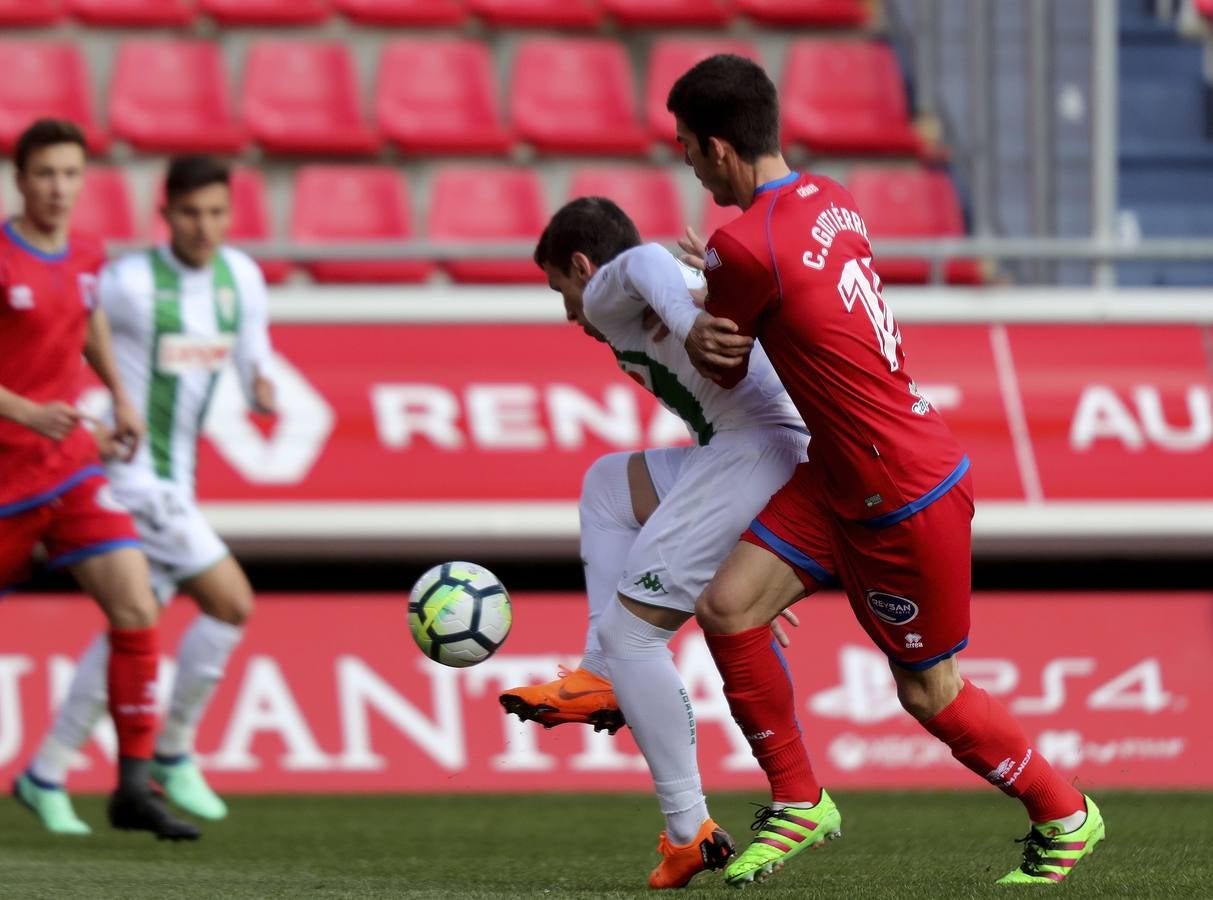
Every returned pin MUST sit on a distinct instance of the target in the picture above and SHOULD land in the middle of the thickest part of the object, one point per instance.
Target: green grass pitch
(895, 845)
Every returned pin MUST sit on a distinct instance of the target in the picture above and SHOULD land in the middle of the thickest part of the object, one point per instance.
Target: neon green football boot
(51, 804)
(783, 833)
(1049, 855)
(186, 787)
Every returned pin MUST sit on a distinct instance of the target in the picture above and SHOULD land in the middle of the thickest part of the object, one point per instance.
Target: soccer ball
(459, 614)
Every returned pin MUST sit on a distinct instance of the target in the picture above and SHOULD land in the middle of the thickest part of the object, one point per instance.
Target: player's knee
(925, 694)
(605, 495)
(139, 609)
(717, 610)
(233, 606)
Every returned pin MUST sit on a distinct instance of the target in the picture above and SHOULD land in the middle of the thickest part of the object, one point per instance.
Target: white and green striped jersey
(174, 328)
(615, 300)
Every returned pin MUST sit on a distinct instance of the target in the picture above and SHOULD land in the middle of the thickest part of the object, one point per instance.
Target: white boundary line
(1017, 420)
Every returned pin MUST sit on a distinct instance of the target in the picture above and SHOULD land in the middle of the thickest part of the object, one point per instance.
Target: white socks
(202, 657)
(80, 711)
(608, 530)
(658, 710)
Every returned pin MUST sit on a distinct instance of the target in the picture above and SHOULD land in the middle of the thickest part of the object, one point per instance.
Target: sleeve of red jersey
(740, 288)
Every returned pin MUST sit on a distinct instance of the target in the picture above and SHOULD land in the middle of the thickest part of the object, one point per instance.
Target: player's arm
(253, 349)
(721, 338)
(653, 278)
(99, 353)
(54, 420)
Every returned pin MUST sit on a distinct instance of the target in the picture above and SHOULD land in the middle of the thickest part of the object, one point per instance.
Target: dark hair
(731, 98)
(594, 226)
(188, 173)
(46, 133)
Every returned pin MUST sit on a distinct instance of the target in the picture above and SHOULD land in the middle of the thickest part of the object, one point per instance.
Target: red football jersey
(795, 271)
(45, 304)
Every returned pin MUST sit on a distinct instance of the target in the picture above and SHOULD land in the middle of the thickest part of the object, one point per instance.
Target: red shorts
(82, 521)
(909, 583)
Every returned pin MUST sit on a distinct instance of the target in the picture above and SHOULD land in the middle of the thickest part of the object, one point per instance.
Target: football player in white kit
(178, 312)
(656, 525)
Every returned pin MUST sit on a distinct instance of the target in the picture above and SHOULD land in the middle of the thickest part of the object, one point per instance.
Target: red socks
(987, 740)
(134, 658)
(759, 691)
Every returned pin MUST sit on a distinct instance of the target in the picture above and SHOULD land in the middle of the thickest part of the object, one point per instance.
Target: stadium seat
(819, 13)
(171, 96)
(488, 204)
(537, 13)
(104, 208)
(1165, 200)
(29, 13)
(575, 96)
(440, 96)
(134, 13)
(845, 97)
(668, 59)
(649, 195)
(44, 79)
(250, 219)
(267, 12)
(412, 13)
(303, 97)
(715, 216)
(334, 204)
(669, 13)
(898, 202)
(1163, 104)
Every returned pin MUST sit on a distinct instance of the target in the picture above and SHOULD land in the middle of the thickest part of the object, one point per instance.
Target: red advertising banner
(516, 412)
(328, 693)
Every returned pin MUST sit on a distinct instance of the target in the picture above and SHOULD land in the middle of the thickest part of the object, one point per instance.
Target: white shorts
(708, 496)
(178, 541)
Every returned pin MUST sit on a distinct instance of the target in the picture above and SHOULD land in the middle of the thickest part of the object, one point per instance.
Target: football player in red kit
(52, 489)
(884, 505)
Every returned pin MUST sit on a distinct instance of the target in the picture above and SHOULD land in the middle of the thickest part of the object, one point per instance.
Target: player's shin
(202, 657)
(78, 714)
(761, 698)
(986, 739)
(134, 657)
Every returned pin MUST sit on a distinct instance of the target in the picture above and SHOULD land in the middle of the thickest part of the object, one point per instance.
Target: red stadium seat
(134, 13)
(821, 13)
(354, 203)
(104, 208)
(669, 13)
(488, 205)
(303, 97)
(576, 96)
(403, 12)
(668, 59)
(440, 96)
(649, 195)
(28, 13)
(43, 79)
(171, 96)
(267, 12)
(250, 219)
(537, 13)
(845, 97)
(715, 216)
(910, 203)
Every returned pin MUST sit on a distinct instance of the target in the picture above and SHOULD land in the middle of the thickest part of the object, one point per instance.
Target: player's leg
(225, 601)
(617, 496)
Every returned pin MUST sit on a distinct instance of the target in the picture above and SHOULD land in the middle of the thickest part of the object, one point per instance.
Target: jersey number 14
(859, 283)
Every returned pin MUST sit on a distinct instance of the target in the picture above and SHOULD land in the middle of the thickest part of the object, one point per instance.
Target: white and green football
(459, 614)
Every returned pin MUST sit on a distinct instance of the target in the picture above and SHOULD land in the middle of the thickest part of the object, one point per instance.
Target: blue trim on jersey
(927, 663)
(776, 184)
(20, 506)
(796, 557)
(31, 249)
(900, 515)
(75, 556)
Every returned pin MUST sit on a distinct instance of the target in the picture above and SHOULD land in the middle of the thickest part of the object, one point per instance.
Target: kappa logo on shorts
(891, 608)
(651, 582)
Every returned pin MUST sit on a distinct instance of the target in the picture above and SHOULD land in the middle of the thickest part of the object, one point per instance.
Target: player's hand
(107, 445)
(714, 344)
(128, 429)
(652, 322)
(778, 630)
(265, 397)
(694, 247)
(54, 420)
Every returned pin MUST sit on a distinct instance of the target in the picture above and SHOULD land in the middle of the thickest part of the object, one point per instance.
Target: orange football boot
(576, 695)
(710, 849)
